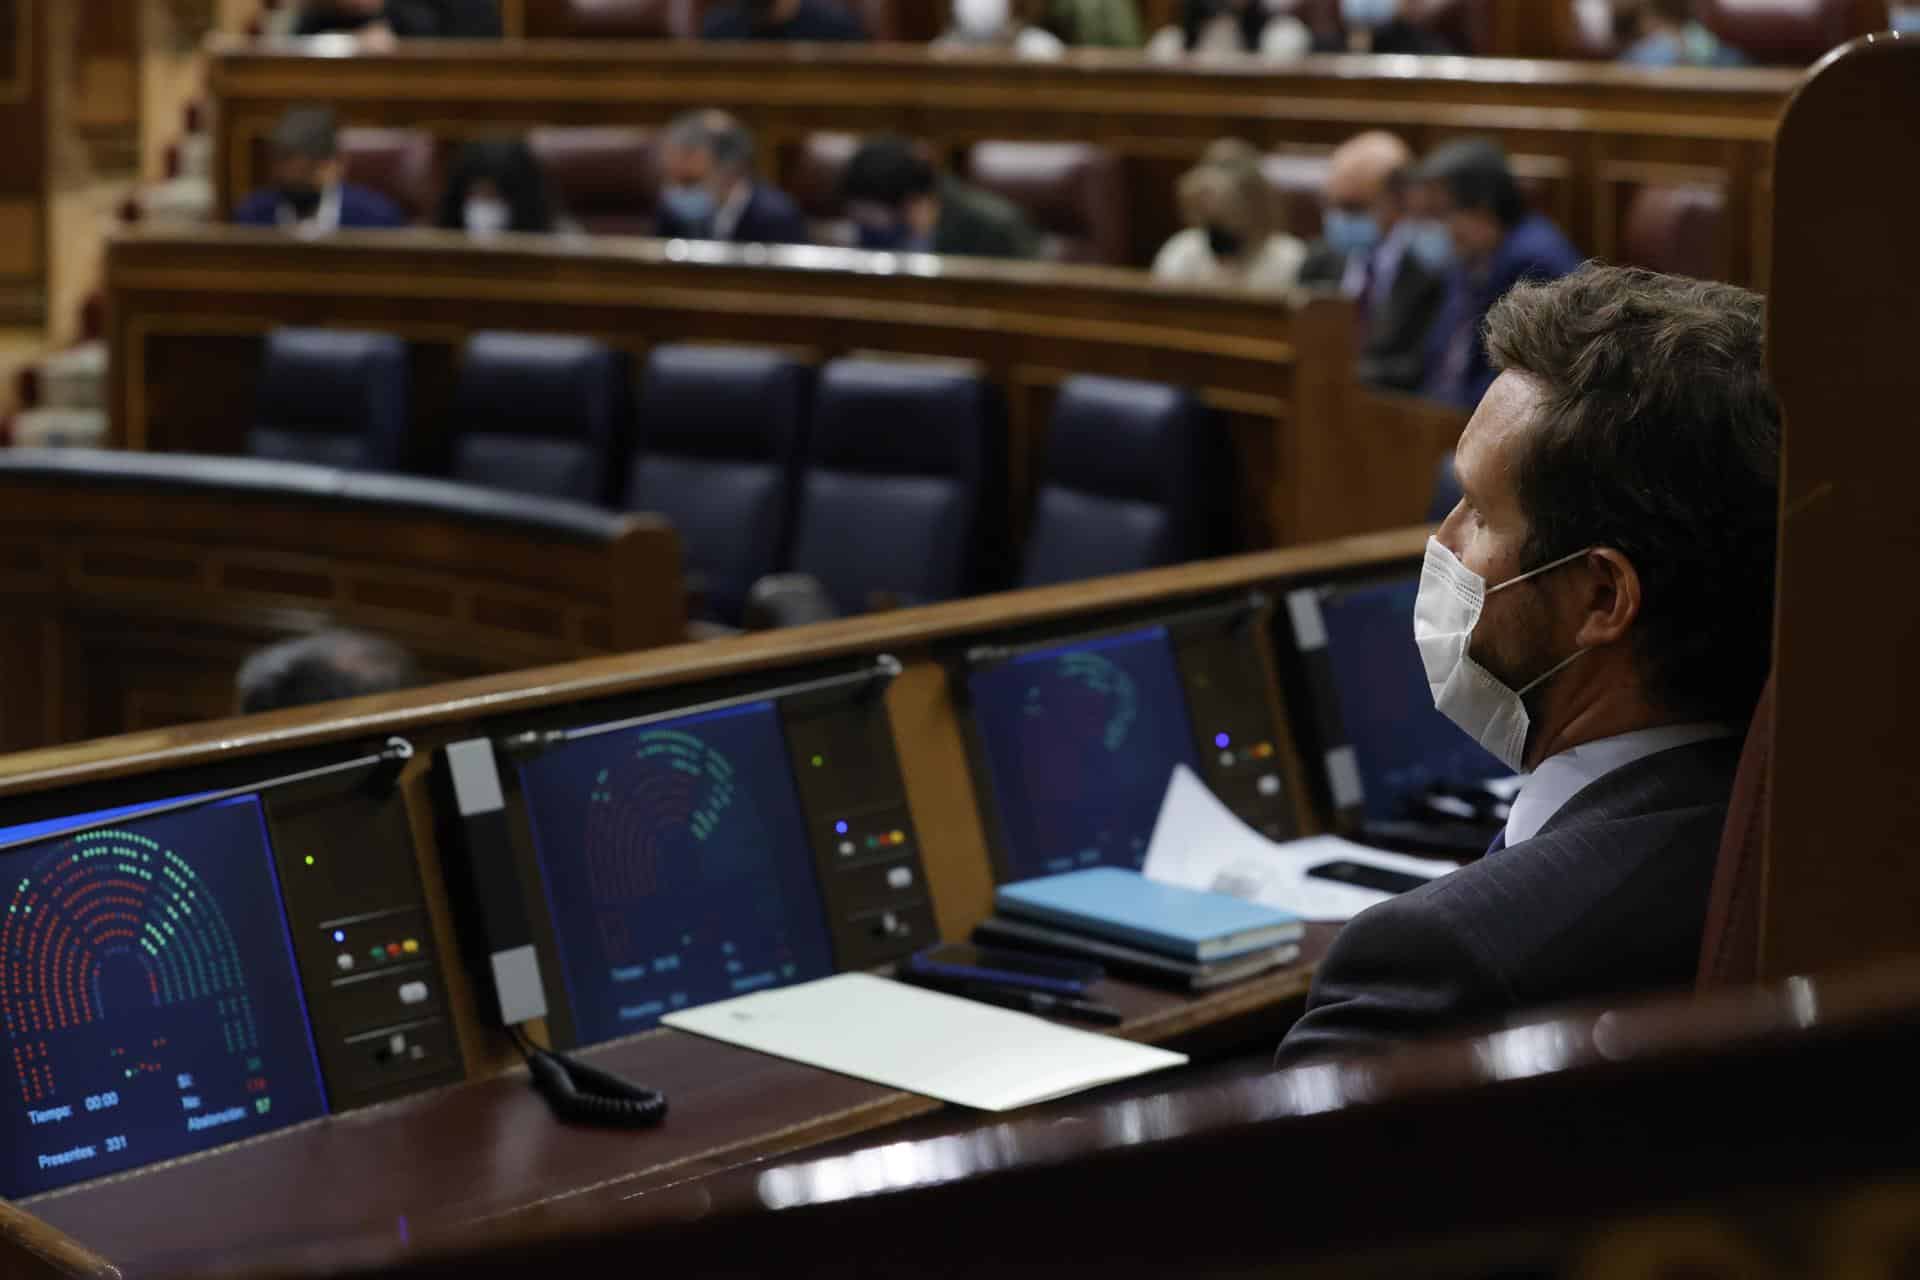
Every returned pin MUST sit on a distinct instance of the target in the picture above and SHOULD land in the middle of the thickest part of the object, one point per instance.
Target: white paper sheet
(923, 1041)
(1200, 843)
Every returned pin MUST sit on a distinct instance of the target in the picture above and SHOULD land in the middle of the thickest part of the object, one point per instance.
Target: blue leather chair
(719, 437)
(903, 497)
(541, 414)
(1129, 475)
(333, 398)
(1446, 491)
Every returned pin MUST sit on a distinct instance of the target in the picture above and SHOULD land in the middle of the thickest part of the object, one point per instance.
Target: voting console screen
(676, 865)
(1080, 742)
(149, 999)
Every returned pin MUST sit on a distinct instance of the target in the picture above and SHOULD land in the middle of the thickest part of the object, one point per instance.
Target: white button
(344, 960)
(900, 878)
(1226, 759)
(396, 1044)
(413, 993)
(846, 848)
(1269, 784)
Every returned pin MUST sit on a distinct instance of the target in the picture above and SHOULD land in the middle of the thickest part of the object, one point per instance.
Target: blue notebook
(1110, 902)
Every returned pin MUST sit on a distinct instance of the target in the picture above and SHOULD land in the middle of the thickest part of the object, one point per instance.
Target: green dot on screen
(818, 761)
(309, 859)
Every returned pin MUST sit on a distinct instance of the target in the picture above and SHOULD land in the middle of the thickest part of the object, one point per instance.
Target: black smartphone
(1362, 876)
(964, 962)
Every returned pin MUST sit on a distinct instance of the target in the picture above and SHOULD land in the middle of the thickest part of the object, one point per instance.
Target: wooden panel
(1571, 119)
(188, 311)
(24, 177)
(1841, 878)
(145, 601)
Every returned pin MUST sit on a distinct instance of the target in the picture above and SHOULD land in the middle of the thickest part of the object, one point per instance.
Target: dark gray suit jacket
(1610, 897)
(1394, 355)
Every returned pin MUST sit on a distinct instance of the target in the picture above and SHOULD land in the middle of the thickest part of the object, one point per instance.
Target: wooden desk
(1585, 136)
(491, 1152)
(445, 1159)
(1318, 455)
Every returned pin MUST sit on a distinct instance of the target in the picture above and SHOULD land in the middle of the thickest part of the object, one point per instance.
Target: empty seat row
(884, 479)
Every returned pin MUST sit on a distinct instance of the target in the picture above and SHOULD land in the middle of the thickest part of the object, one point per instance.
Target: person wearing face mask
(898, 202)
(994, 24)
(1493, 241)
(1209, 28)
(1597, 612)
(1365, 252)
(1665, 33)
(496, 185)
(819, 20)
(310, 193)
(1379, 26)
(711, 193)
(1234, 230)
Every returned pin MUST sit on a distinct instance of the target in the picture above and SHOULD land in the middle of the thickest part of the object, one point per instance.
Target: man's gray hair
(313, 132)
(716, 133)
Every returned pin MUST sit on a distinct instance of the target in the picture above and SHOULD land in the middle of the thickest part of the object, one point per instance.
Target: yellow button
(410, 946)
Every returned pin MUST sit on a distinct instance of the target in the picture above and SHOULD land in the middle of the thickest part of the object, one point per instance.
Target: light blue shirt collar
(1560, 778)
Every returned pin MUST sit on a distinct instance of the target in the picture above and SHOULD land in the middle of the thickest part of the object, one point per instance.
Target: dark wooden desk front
(488, 1148)
(433, 1166)
(1586, 136)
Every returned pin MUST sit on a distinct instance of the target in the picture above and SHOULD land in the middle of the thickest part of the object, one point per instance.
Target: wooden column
(24, 180)
(1842, 876)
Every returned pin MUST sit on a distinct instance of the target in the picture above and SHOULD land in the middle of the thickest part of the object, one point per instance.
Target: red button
(393, 950)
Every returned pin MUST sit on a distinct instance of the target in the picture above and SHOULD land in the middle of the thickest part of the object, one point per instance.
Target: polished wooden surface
(491, 1152)
(446, 1160)
(32, 1250)
(1764, 1131)
(131, 607)
(1319, 456)
(1585, 136)
(26, 177)
(1841, 878)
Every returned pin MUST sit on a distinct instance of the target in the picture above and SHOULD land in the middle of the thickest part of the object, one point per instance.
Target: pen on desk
(1040, 1002)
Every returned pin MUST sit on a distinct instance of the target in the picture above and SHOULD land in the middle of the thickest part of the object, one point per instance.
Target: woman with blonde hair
(1234, 232)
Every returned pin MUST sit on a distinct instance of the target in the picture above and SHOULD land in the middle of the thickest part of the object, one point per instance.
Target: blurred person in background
(379, 23)
(322, 667)
(899, 202)
(1482, 227)
(1665, 33)
(496, 185)
(310, 193)
(711, 192)
(821, 20)
(1380, 26)
(1234, 233)
(1366, 251)
(1209, 28)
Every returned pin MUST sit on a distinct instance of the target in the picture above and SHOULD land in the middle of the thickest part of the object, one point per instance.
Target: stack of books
(1143, 929)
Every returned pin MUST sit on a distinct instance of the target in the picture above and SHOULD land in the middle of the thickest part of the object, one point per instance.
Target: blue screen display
(149, 1000)
(1080, 743)
(677, 867)
(1380, 687)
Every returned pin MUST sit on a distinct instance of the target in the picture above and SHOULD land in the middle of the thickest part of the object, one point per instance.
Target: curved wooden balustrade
(136, 585)
(1584, 136)
(1318, 455)
(1766, 1131)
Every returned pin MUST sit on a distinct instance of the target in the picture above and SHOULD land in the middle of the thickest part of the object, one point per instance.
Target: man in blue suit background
(1490, 240)
(711, 192)
(310, 192)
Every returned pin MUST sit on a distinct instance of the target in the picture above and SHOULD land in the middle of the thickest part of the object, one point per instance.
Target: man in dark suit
(1620, 482)
(1495, 240)
(310, 192)
(1365, 251)
(898, 201)
(711, 192)
(811, 20)
(379, 21)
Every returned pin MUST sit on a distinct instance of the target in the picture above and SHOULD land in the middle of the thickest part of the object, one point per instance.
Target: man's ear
(1611, 603)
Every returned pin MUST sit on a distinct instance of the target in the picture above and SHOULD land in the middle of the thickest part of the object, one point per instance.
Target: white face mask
(1451, 598)
(981, 19)
(485, 216)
